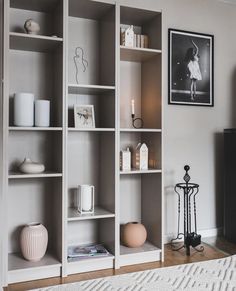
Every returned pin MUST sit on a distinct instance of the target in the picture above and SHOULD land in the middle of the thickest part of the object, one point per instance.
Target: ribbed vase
(34, 241)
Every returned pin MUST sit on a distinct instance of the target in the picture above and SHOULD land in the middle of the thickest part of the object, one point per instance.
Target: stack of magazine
(87, 252)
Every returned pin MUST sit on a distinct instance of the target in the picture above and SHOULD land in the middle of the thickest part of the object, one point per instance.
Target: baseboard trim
(203, 232)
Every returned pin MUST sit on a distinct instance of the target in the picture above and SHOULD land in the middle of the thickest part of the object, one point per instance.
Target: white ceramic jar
(24, 109)
(30, 167)
(42, 113)
(34, 241)
(31, 26)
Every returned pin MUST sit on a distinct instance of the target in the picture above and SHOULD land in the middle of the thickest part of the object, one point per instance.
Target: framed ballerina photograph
(191, 68)
(84, 116)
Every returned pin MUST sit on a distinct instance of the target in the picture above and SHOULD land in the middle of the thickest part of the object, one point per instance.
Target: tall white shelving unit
(44, 65)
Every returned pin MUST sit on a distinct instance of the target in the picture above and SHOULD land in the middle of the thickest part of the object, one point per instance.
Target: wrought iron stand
(191, 238)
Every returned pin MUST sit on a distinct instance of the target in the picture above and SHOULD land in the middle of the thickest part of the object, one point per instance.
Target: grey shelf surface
(137, 54)
(35, 43)
(89, 89)
(17, 262)
(147, 247)
(99, 212)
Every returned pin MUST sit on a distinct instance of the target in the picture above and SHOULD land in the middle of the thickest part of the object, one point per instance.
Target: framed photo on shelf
(191, 68)
(84, 116)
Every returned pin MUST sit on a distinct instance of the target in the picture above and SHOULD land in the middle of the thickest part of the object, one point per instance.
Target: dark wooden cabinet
(230, 184)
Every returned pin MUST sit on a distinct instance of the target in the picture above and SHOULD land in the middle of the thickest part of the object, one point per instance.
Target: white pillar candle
(24, 109)
(42, 113)
(132, 106)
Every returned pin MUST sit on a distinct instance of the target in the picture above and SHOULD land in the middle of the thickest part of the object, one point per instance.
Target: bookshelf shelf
(140, 130)
(18, 175)
(89, 89)
(99, 213)
(137, 54)
(73, 129)
(15, 128)
(135, 172)
(21, 270)
(35, 43)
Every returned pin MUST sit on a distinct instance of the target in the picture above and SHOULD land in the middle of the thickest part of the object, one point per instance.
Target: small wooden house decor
(127, 36)
(140, 157)
(125, 160)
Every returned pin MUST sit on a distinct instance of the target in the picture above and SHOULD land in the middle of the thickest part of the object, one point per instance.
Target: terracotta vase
(34, 241)
(134, 235)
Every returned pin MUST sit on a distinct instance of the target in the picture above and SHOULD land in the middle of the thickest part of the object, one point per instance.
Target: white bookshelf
(45, 65)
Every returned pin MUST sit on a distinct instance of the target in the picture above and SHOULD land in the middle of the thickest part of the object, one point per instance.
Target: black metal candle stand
(137, 122)
(190, 236)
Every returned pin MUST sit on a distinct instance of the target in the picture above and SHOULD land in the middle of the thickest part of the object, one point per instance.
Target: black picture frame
(190, 68)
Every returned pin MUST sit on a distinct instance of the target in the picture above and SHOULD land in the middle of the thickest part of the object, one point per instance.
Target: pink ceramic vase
(134, 234)
(34, 241)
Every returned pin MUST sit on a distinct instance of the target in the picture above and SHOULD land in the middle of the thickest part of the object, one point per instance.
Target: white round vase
(30, 167)
(24, 109)
(34, 241)
(31, 26)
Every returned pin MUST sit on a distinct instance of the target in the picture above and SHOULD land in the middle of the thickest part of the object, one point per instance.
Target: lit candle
(132, 106)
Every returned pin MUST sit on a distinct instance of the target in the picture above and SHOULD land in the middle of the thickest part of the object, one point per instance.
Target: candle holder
(137, 122)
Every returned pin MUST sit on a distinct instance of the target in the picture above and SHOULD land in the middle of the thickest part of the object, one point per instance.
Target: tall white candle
(42, 113)
(132, 106)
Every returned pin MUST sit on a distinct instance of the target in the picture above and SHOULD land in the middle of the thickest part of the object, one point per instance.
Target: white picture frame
(84, 116)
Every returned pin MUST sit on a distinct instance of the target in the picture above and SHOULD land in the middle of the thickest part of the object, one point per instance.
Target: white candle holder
(85, 199)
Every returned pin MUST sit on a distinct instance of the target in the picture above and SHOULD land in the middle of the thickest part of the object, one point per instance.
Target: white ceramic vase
(34, 241)
(29, 167)
(31, 26)
(24, 109)
(42, 113)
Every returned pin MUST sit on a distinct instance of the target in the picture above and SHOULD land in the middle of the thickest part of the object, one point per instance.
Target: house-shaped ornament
(125, 160)
(127, 36)
(140, 157)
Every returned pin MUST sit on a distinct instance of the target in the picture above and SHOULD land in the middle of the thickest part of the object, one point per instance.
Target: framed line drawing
(190, 68)
(84, 116)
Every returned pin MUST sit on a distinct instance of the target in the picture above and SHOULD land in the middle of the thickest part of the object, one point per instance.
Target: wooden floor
(214, 249)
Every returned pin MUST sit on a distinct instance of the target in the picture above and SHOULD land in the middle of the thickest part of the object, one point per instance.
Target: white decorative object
(127, 36)
(42, 113)
(132, 107)
(24, 109)
(85, 199)
(140, 158)
(125, 160)
(84, 116)
(31, 26)
(29, 167)
(34, 241)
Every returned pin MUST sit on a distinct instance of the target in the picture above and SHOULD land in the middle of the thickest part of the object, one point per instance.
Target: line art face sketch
(79, 60)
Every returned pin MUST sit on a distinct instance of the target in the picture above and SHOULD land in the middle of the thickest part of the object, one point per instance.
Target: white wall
(193, 135)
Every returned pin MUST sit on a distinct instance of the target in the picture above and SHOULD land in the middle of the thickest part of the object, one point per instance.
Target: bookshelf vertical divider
(108, 78)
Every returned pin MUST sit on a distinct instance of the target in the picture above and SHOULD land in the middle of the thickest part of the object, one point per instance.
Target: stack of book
(86, 252)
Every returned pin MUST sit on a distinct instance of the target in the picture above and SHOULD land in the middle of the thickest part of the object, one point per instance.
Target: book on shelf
(87, 251)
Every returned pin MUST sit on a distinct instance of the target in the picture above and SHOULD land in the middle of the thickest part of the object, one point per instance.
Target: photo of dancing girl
(191, 68)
